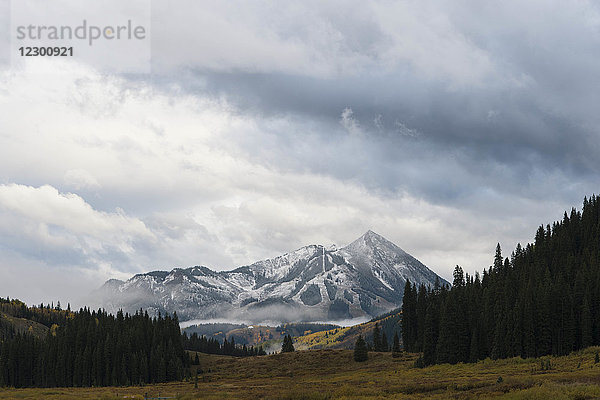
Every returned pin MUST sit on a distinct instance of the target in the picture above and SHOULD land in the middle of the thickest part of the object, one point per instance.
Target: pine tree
(459, 277)
(384, 346)
(288, 344)
(430, 336)
(396, 351)
(586, 325)
(448, 340)
(498, 260)
(376, 338)
(360, 350)
(474, 351)
(409, 317)
(421, 309)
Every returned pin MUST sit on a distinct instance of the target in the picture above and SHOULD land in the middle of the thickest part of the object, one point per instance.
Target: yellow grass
(318, 339)
(344, 338)
(332, 374)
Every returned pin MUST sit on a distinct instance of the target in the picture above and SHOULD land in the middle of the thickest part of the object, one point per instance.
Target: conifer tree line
(541, 300)
(380, 342)
(94, 348)
(386, 326)
(202, 344)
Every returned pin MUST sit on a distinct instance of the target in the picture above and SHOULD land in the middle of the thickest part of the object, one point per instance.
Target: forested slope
(543, 299)
(89, 348)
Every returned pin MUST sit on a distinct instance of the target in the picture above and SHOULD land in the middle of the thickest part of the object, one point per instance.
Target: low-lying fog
(341, 323)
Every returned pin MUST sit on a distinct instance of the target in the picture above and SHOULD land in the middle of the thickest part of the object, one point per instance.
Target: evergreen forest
(541, 300)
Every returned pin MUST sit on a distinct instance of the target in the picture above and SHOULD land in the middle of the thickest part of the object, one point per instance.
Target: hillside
(22, 325)
(17, 317)
(345, 338)
(332, 374)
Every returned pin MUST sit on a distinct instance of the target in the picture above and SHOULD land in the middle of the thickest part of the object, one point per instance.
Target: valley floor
(332, 374)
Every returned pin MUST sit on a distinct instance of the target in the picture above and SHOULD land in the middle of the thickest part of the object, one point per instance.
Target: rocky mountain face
(314, 283)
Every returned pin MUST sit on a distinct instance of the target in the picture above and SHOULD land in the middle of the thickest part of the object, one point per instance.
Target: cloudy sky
(260, 127)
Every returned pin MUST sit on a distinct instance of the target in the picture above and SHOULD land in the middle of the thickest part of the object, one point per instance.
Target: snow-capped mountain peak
(364, 278)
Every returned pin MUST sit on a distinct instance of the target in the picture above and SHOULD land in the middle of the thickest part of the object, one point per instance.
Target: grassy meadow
(332, 374)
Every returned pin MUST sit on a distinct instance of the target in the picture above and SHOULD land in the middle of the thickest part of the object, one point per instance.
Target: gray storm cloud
(263, 128)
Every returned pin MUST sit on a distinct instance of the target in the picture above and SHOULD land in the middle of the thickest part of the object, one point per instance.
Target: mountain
(313, 283)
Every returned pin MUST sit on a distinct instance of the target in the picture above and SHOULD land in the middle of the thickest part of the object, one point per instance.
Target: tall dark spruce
(376, 338)
(361, 353)
(541, 300)
(287, 345)
(396, 352)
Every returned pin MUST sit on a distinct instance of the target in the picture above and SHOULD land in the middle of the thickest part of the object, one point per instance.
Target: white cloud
(80, 179)
(103, 176)
(181, 184)
(51, 222)
(350, 123)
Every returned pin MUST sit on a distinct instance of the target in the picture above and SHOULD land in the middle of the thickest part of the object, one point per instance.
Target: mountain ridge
(312, 283)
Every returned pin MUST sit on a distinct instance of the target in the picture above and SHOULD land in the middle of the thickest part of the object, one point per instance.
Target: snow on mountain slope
(313, 283)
